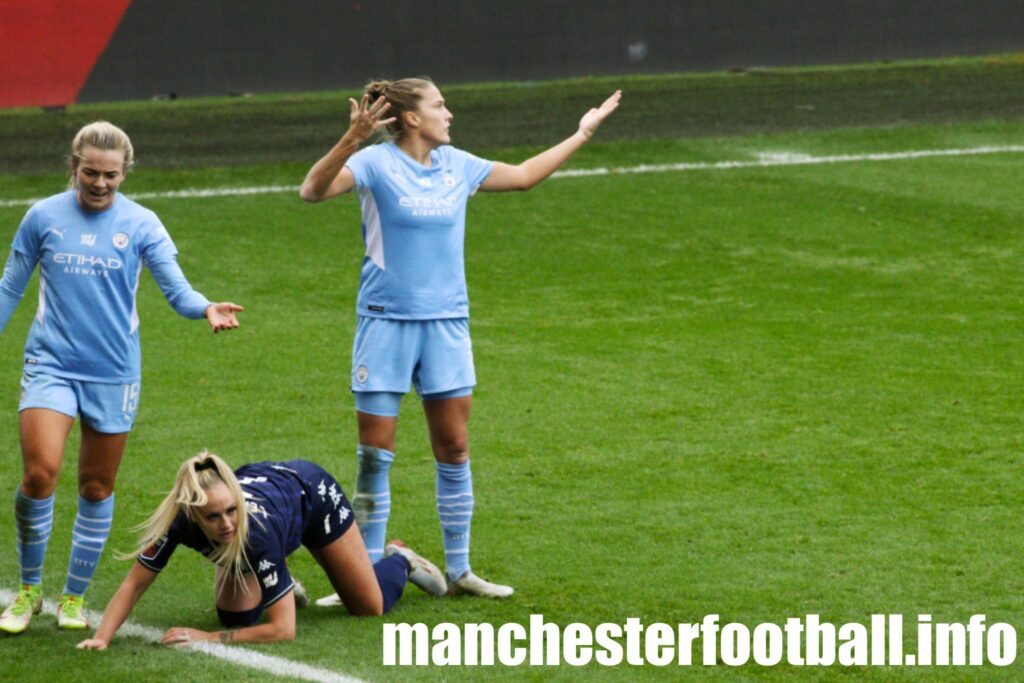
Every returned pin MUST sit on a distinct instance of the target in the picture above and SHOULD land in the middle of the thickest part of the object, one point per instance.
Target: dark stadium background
(55, 52)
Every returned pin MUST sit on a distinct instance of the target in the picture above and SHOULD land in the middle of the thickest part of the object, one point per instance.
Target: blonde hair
(102, 135)
(403, 95)
(196, 476)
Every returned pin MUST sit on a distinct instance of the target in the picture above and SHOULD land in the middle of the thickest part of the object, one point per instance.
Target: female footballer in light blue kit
(413, 310)
(82, 356)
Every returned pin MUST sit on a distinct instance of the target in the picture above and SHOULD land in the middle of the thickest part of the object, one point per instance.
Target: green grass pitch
(758, 392)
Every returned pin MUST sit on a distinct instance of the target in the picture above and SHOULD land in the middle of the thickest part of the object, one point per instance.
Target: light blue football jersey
(87, 323)
(414, 225)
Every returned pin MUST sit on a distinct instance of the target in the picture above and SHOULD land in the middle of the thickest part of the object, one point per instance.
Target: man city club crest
(120, 240)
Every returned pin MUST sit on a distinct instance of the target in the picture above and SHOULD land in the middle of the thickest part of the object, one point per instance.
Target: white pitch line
(239, 656)
(767, 160)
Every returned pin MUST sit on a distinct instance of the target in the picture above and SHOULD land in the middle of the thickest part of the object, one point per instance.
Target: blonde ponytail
(196, 476)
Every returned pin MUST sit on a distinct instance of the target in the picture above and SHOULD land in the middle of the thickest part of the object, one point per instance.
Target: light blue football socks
(92, 528)
(455, 508)
(372, 506)
(33, 520)
(372, 500)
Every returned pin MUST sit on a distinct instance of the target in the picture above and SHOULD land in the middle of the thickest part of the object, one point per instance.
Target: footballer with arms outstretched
(413, 308)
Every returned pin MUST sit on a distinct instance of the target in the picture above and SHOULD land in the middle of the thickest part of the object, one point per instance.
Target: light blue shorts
(106, 408)
(436, 356)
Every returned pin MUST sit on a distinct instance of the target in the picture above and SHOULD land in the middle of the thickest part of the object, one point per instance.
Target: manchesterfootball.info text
(806, 641)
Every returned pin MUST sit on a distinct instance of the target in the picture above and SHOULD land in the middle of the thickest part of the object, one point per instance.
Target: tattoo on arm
(227, 636)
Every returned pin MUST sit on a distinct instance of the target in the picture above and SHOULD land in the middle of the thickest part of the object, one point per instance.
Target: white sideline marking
(769, 159)
(765, 160)
(240, 656)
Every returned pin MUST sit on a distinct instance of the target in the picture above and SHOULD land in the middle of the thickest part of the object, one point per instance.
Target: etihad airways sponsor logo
(85, 264)
(430, 206)
(87, 261)
(429, 202)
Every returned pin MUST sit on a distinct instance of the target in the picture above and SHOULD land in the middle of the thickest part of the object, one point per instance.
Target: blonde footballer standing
(82, 357)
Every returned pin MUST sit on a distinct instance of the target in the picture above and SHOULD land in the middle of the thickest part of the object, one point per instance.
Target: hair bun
(377, 89)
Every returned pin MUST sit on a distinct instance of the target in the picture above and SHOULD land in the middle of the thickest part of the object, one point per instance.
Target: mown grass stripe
(766, 161)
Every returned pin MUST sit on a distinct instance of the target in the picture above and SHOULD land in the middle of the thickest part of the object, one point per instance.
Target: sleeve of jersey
(275, 580)
(155, 557)
(475, 170)
(12, 287)
(362, 166)
(162, 260)
(27, 239)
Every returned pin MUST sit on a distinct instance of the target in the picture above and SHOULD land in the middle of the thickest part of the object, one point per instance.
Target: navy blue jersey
(289, 504)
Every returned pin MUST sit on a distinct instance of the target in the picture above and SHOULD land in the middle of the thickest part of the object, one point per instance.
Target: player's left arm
(506, 177)
(187, 301)
(280, 625)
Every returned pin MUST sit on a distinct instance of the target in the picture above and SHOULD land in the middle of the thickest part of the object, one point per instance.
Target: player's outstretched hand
(92, 644)
(595, 117)
(365, 117)
(222, 316)
(183, 637)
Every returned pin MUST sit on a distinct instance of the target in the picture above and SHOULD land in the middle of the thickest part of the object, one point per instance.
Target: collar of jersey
(420, 169)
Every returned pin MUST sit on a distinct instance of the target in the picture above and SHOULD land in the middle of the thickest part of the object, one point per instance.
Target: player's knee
(39, 480)
(378, 441)
(95, 489)
(452, 454)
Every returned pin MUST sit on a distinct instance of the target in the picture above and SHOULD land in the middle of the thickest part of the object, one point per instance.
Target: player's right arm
(12, 286)
(20, 264)
(137, 582)
(329, 177)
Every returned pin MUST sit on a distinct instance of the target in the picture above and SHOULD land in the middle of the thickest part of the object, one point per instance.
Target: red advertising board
(48, 47)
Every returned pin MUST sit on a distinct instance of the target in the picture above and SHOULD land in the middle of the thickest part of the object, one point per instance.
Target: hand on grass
(92, 644)
(183, 637)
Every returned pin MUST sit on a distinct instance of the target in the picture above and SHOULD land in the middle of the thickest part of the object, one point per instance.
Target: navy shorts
(331, 513)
